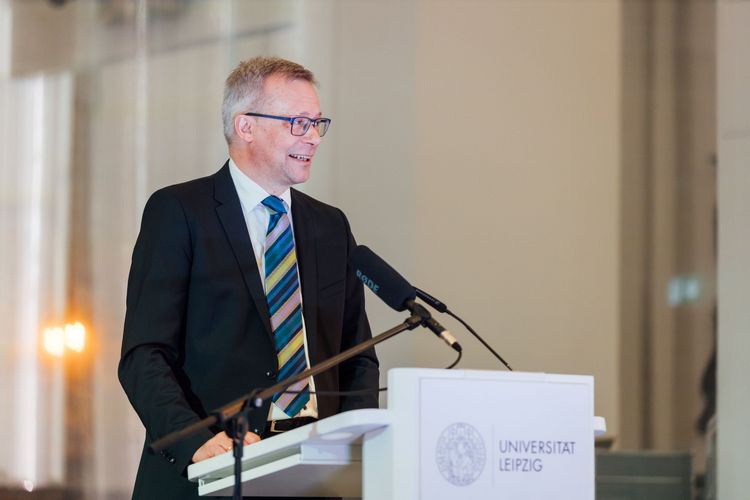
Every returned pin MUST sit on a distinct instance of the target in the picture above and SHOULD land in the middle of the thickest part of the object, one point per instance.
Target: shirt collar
(250, 192)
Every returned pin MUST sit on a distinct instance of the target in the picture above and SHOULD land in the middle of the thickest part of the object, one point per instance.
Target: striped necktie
(285, 306)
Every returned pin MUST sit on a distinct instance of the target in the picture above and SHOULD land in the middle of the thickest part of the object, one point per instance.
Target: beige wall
(518, 149)
(486, 171)
(734, 248)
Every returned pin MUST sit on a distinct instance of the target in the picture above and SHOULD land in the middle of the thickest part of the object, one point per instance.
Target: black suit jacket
(197, 332)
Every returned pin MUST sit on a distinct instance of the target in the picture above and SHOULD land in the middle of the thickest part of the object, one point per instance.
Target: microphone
(433, 302)
(394, 290)
(382, 279)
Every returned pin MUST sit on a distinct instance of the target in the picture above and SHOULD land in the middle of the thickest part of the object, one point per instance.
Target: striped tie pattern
(285, 306)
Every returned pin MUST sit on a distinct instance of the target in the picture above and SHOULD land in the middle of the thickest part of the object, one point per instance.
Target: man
(238, 281)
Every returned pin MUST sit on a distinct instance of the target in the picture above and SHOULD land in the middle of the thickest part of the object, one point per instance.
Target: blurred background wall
(546, 167)
(734, 246)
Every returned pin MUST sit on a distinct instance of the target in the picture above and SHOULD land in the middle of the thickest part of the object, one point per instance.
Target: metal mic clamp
(429, 322)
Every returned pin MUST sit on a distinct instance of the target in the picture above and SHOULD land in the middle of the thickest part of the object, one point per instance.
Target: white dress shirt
(256, 218)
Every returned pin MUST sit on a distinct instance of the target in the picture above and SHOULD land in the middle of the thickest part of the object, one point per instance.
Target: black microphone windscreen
(382, 279)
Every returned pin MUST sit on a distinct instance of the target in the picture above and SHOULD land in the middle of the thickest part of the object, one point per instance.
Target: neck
(246, 166)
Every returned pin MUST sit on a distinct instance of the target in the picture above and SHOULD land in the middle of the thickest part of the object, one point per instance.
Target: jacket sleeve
(154, 330)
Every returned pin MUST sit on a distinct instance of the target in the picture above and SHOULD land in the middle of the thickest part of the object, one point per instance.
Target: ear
(243, 128)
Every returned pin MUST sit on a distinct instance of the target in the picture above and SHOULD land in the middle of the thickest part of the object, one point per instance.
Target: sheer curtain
(35, 138)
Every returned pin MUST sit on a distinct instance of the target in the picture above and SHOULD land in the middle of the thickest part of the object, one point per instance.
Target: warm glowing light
(54, 341)
(57, 339)
(75, 337)
(28, 485)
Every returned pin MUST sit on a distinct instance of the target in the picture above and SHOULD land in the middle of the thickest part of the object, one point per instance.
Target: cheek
(283, 145)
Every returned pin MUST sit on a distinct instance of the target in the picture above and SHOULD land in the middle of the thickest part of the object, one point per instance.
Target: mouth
(305, 158)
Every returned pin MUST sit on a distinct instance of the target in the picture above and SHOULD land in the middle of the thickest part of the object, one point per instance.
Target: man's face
(281, 159)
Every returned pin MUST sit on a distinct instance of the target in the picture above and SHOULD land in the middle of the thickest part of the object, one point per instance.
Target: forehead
(291, 96)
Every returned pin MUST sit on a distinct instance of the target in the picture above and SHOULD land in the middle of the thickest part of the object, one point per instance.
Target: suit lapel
(307, 259)
(230, 214)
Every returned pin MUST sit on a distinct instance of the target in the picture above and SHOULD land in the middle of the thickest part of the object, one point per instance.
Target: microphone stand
(233, 417)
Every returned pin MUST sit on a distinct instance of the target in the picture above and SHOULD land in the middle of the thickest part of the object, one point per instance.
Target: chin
(299, 175)
(302, 179)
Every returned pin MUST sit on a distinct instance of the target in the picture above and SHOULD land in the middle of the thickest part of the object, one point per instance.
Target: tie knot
(275, 204)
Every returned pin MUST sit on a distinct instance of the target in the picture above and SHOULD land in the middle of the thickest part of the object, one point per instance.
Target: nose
(312, 136)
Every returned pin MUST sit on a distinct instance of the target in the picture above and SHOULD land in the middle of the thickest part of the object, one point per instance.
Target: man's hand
(220, 443)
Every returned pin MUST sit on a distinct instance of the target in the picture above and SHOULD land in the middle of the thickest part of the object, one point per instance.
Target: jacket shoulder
(185, 191)
(313, 206)
(196, 194)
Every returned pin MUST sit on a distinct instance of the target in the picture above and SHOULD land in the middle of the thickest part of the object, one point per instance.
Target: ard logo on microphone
(368, 282)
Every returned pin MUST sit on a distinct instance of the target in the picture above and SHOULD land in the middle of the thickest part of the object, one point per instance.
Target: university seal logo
(460, 454)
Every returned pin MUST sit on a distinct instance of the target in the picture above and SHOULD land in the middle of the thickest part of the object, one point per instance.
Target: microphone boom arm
(255, 398)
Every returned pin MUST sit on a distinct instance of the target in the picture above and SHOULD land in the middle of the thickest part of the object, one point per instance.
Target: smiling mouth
(300, 157)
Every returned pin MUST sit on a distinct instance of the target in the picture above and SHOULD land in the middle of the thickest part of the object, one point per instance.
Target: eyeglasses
(300, 124)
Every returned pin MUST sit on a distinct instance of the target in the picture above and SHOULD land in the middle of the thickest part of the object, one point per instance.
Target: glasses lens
(322, 126)
(300, 125)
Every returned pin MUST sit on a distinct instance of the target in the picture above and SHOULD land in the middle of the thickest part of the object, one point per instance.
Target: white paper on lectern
(506, 437)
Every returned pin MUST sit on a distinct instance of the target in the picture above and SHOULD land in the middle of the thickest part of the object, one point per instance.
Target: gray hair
(243, 90)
